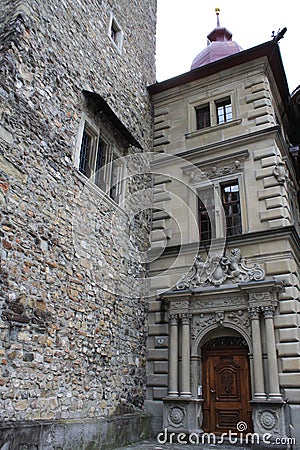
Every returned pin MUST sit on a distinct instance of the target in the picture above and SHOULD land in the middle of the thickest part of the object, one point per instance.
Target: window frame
(203, 115)
(223, 104)
(195, 105)
(219, 225)
(115, 33)
(230, 204)
(112, 158)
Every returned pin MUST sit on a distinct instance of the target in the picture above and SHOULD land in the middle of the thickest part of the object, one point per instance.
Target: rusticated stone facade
(220, 293)
(72, 324)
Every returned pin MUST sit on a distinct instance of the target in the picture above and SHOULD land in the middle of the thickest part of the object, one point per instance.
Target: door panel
(226, 389)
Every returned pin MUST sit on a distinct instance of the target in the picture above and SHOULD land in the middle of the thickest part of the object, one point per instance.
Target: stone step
(153, 444)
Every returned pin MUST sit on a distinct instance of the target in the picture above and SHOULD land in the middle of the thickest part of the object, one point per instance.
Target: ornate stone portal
(222, 295)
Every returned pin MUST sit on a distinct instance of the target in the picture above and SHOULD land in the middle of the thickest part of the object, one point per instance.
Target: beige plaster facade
(245, 287)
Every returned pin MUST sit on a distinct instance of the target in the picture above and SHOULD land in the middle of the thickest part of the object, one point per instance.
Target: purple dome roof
(219, 46)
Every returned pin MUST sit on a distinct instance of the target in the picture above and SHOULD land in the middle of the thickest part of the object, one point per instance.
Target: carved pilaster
(186, 352)
(259, 387)
(173, 355)
(173, 319)
(268, 311)
(254, 312)
(185, 318)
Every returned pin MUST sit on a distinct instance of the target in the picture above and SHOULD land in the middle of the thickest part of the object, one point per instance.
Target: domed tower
(220, 45)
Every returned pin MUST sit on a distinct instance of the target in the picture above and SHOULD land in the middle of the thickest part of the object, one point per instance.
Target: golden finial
(217, 10)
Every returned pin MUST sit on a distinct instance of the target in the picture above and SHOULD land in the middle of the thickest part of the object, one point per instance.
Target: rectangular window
(202, 117)
(231, 203)
(224, 110)
(99, 162)
(115, 33)
(204, 222)
(210, 224)
(86, 152)
(206, 213)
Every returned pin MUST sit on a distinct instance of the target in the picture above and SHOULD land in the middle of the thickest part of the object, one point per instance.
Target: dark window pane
(100, 161)
(204, 222)
(231, 205)
(206, 214)
(202, 117)
(114, 181)
(85, 154)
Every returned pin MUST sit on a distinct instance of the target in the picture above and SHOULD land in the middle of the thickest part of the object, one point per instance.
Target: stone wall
(72, 305)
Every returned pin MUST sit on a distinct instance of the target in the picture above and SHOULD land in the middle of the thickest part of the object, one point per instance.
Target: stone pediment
(220, 269)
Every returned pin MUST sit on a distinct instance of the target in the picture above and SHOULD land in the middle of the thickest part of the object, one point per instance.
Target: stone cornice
(237, 141)
(234, 304)
(289, 232)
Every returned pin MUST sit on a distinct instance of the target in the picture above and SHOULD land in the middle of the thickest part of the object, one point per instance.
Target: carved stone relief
(220, 269)
(223, 303)
(183, 416)
(269, 419)
(260, 297)
(280, 172)
(176, 416)
(197, 175)
(202, 321)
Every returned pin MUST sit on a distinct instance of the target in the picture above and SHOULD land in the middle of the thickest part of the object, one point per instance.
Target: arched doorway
(226, 384)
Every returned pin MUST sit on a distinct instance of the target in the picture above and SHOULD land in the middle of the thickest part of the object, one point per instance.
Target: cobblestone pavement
(154, 445)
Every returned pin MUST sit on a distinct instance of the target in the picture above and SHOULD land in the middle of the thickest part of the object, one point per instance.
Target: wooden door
(226, 389)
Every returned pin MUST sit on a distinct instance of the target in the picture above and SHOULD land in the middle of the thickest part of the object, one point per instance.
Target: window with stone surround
(214, 112)
(99, 162)
(115, 33)
(231, 203)
(224, 110)
(210, 199)
(205, 214)
(202, 117)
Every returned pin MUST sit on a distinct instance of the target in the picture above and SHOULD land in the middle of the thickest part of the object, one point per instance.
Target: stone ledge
(102, 434)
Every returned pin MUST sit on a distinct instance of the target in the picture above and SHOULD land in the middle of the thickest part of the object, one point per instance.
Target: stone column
(173, 356)
(268, 312)
(259, 385)
(185, 358)
(194, 375)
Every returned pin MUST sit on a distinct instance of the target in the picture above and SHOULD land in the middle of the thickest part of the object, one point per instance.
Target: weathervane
(280, 34)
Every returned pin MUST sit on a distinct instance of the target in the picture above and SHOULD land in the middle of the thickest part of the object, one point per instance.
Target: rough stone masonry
(72, 323)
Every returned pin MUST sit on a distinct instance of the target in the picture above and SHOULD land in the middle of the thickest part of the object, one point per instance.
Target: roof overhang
(268, 49)
(102, 106)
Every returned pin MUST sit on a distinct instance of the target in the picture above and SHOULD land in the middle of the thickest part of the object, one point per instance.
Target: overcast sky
(182, 27)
